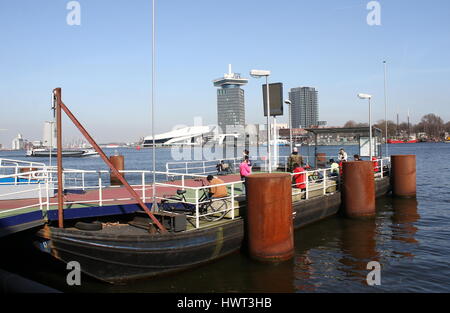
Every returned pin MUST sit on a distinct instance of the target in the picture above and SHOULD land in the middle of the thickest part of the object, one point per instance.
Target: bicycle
(211, 209)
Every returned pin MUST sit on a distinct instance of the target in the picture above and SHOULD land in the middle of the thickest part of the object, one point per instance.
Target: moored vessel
(40, 152)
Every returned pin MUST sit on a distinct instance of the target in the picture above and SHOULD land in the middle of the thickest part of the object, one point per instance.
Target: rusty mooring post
(269, 217)
(119, 163)
(403, 175)
(358, 189)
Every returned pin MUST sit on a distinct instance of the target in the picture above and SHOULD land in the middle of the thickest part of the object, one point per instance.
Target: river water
(408, 237)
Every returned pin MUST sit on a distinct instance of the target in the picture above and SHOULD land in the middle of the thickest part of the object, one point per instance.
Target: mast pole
(385, 110)
(154, 204)
(57, 93)
(116, 173)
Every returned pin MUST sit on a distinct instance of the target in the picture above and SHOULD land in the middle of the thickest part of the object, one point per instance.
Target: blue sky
(104, 65)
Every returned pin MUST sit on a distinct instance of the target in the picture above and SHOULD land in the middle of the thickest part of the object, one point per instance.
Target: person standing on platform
(293, 159)
(342, 155)
(247, 153)
(245, 170)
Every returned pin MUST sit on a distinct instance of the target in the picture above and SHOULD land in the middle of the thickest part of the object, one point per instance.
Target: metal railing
(322, 180)
(43, 193)
(210, 167)
(13, 169)
(195, 201)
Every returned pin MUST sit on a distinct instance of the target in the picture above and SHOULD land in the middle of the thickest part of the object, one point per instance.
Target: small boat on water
(40, 152)
(397, 141)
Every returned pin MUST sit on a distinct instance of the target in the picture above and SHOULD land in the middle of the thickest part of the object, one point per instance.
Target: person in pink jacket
(245, 170)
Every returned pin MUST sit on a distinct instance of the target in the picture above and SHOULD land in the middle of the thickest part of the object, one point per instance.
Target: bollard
(403, 175)
(270, 229)
(119, 163)
(358, 189)
(27, 170)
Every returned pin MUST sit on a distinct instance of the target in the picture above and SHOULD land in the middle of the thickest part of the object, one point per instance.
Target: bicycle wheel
(173, 204)
(216, 210)
(166, 206)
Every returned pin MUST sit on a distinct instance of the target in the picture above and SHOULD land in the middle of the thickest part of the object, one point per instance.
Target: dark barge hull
(115, 258)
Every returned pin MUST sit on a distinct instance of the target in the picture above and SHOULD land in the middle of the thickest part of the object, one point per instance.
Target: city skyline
(103, 65)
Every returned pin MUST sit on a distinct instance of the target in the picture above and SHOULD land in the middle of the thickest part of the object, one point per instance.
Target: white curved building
(18, 143)
(194, 135)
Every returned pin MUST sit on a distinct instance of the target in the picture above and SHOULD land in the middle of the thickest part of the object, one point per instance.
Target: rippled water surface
(410, 238)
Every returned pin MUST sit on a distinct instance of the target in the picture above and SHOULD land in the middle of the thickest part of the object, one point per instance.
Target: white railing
(382, 167)
(200, 167)
(210, 167)
(42, 187)
(195, 196)
(4, 162)
(14, 169)
(314, 180)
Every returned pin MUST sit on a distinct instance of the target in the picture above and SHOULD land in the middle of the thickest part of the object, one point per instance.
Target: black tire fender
(94, 226)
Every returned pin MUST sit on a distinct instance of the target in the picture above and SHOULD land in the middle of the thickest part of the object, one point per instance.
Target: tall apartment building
(305, 107)
(230, 100)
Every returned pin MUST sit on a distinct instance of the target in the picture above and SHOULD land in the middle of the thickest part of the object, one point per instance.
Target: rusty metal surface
(269, 217)
(119, 163)
(403, 173)
(321, 159)
(133, 193)
(358, 189)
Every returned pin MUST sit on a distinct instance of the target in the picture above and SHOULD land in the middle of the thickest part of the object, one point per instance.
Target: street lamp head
(259, 73)
(364, 96)
(287, 101)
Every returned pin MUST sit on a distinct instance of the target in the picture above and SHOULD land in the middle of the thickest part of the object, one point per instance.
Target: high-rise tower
(305, 107)
(230, 100)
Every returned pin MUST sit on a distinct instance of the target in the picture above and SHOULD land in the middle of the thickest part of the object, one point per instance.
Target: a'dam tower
(230, 101)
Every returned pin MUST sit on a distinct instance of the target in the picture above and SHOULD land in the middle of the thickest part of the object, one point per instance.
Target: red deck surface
(112, 193)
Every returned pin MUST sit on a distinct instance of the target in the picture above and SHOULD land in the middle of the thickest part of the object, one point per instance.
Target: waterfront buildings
(305, 107)
(18, 143)
(230, 102)
(49, 135)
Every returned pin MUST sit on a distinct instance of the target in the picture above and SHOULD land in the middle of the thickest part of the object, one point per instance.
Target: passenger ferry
(42, 152)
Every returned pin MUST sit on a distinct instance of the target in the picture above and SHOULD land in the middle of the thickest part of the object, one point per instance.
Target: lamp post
(385, 110)
(289, 103)
(368, 97)
(154, 202)
(266, 74)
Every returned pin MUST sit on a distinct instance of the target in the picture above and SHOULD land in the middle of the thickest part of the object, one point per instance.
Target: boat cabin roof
(361, 131)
